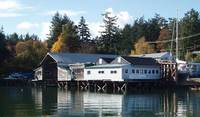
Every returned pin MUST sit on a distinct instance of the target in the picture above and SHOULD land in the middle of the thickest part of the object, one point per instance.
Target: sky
(34, 16)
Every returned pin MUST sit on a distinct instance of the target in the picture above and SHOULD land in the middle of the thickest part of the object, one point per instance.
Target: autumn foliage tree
(68, 40)
(58, 45)
(142, 47)
(29, 54)
(164, 35)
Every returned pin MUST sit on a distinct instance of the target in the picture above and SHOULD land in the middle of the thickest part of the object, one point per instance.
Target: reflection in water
(22, 102)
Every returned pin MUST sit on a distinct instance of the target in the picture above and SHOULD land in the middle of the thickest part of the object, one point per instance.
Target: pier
(103, 86)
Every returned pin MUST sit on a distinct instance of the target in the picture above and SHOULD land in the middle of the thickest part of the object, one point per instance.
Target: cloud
(8, 4)
(8, 14)
(67, 12)
(123, 18)
(45, 30)
(12, 8)
(95, 28)
(27, 25)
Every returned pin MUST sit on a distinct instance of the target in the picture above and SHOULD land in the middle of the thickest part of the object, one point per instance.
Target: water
(47, 102)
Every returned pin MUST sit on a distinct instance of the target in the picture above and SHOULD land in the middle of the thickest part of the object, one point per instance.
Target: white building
(162, 56)
(125, 68)
(65, 66)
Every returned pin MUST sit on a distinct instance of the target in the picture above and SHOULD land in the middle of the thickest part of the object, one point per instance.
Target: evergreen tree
(68, 41)
(4, 53)
(189, 25)
(126, 40)
(57, 23)
(108, 40)
(83, 29)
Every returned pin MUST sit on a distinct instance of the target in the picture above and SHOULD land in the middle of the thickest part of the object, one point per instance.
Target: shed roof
(72, 58)
(140, 60)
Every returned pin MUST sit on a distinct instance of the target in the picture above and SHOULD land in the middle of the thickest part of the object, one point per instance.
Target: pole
(177, 54)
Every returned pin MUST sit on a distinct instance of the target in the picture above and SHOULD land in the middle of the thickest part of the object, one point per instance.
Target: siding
(123, 61)
(107, 75)
(63, 74)
(38, 73)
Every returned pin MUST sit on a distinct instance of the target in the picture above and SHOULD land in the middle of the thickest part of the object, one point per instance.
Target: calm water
(25, 102)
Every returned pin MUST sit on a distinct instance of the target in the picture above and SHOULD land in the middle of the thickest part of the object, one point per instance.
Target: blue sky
(34, 16)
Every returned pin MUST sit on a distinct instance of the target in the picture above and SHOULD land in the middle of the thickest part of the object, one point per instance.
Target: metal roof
(107, 66)
(108, 60)
(72, 58)
(140, 60)
(154, 55)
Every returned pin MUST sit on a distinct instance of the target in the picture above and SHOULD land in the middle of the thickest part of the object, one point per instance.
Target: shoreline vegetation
(24, 52)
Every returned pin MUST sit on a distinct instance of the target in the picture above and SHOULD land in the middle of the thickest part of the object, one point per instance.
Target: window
(113, 72)
(88, 72)
(101, 72)
(133, 71)
(149, 71)
(137, 71)
(126, 70)
(157, 71)
(153, 71)
(145, 71)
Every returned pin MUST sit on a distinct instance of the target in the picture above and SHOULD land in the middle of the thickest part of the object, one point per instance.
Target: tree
(56, 28)
(87, 45)
(142, 47)
(154, 27)
(83, 29)
(68, 40)
(4, 53)
(164, 35)
(189, 56)
(189, 25)
(126, 41)
(11, 43)
(108, 40)
(29, 54)
(58, 45)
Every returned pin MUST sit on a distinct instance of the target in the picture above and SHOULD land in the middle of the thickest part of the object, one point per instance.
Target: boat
(183, 70)
(182, 67)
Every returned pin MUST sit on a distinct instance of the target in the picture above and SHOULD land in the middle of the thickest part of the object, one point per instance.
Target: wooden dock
(114, 86)
(168, 80)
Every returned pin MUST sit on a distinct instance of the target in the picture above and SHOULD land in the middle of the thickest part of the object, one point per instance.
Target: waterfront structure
(38, 74)
(162, 56)
(194, 69)
(65, 66)
(125, 68)
(104, 60)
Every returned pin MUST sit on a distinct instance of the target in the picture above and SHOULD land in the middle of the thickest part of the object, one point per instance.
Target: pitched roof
(140, 60)
(153, 55)
(72, 58)
(106, 66)
(156, 55)
(108, 60)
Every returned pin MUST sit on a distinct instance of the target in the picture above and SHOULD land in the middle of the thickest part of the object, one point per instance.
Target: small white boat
(183, 70)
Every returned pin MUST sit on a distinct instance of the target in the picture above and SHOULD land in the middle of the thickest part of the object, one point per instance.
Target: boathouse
(162, 56)
(65, 66)
(104, 60)
(125, 68)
